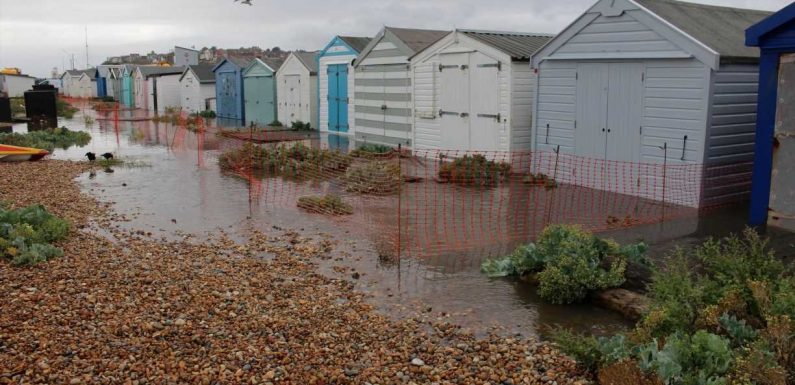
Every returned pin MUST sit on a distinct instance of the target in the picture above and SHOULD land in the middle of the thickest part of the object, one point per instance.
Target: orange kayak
(20, 154)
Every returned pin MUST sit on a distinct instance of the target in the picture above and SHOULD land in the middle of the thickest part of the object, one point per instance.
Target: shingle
(309, 60)
(274, 63)
(241, 62)
(358, 43)
(203, 72)
(720, 28)
(520, 45)
(148, 71)
(417, 39)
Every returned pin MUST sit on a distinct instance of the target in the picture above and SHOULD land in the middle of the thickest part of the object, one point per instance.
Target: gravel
(124, 308)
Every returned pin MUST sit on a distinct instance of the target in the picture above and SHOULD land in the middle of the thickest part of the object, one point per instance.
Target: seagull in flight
(246, 2)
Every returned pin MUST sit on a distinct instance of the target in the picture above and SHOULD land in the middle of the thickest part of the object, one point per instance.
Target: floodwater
(174, 187)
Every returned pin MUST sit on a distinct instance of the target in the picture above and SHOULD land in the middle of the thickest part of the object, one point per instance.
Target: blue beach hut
(773, 188)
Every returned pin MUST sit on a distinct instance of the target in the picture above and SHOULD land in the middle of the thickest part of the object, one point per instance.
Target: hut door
(338, 97)
(485, 103)
(591, 110)
(293, 98)
(227, 95)
(624, 107)
(454, 100)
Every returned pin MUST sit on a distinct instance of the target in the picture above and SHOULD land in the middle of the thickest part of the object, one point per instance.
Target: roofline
(505, 32)
(256, 59)
(755, 33)
(330, 43)
(536, 59)
(295, 55)
(370, 45)
(185, 48)
(675, 28)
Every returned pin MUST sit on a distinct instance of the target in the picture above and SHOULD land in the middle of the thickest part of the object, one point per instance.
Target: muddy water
(174, 187)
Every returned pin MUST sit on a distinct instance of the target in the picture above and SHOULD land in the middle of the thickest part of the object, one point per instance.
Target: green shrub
(329, 205)
(721, 313)
(474, 170)
(48, 139)
(275, 123)
(571, 277)
(286, 160)
(699, 359)
(17, 106)
(301, 126)
(26, 234)
(590, 351)
(570, 263)
(64, 109)
(373, 177)
(370, 150)
(207, 114)
(540, 179)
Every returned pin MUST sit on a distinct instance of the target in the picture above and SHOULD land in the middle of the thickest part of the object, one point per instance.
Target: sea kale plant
(569, 263)
(27, 234)
(59, 137)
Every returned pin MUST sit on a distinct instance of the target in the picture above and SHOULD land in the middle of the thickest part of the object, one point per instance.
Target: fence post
(549, 191)
(665, 169)
(400, 200)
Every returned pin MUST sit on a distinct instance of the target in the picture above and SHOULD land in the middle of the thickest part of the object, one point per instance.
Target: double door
(470, 101)
(609, 103)
(338, 97)
(259, 101)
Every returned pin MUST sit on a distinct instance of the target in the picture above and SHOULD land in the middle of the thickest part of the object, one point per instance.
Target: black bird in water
(91, 156)
(107, 156)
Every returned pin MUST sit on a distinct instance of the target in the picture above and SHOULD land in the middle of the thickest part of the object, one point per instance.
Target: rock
(629, 303)
(417, 362)
(179, 322)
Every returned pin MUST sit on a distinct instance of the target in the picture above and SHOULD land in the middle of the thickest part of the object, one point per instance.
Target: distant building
(14, 85)
(185, 56)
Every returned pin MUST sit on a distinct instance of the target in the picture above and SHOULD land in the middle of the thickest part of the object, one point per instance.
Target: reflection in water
(185, 192)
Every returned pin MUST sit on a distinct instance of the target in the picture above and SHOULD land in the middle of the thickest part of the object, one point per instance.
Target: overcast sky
(37, 35)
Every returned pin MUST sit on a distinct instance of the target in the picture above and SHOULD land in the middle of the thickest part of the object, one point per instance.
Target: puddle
(177, 189)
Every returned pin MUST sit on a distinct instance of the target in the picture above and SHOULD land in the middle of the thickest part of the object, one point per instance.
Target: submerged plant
(59, 137)
(286, 160)
(373, 177)
(328, 204)
(570, 263)
(474, 170)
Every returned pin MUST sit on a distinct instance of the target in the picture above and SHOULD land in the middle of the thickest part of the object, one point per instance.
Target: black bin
(5, 109)
(41, 108)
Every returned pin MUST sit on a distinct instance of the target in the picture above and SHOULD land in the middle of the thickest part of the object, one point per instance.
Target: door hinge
(497, 116)
(498, 65)
(443, 112)
(576, 76)
(442, 67)
(383, 107)
(641, 130)
(575, 124)
(643, 76)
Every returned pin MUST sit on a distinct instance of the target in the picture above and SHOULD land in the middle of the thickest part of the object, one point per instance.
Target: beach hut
(259, 91)
(773, 191)
(114, 86)
(197, 88)
(103, 76)
(473, 90)
(155, 89)
(185, 56)
(335, 86)
(127, 93)
(296, 87)
(15, 85)
(86, 84)
(383, 85)
(229, 88)
(166, 90)
(70, 83)
(652, 82)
